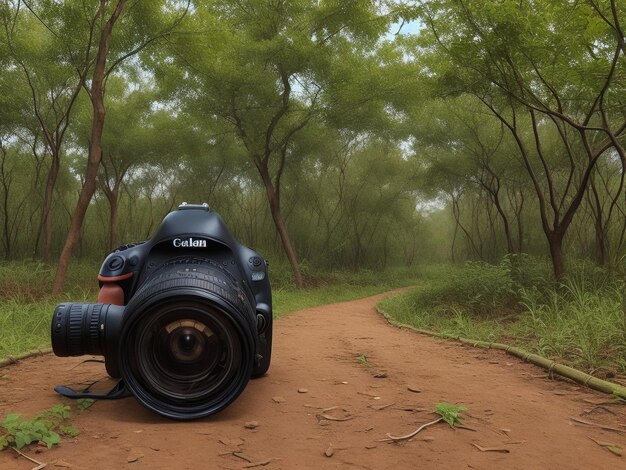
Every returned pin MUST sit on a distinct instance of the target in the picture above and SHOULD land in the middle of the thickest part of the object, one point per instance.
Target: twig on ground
(259, 464)
(613, 448)
(596, 425)
(332, 418)
(40, 465)
(380, 407)
(598, 407)
(242, 456)
(504, 450)
(410, 435)
(462, 426)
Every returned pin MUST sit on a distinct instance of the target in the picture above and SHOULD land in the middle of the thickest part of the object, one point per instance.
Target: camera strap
(117, 392)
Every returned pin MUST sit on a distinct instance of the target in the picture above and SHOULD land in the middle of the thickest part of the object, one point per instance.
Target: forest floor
(329, 363)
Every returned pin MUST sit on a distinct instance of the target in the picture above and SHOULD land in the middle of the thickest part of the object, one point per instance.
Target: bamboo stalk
(15, 359)
(552, 366)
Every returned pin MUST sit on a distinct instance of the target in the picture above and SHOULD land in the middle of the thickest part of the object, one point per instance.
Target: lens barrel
(79, 328)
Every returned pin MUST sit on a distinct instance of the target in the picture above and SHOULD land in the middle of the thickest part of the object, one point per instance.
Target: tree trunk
(281, 227)
(113, 197)
(95, 147)
(113, 205)
(6, 186)
(46, 215)
(555, 240)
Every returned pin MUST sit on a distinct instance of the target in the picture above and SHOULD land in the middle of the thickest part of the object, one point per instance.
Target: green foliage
(580, 321)
(451, 414)
(83, 403)
(362, 359)
(44, 427)
(26, 305)
(476, 287)
(70, 431)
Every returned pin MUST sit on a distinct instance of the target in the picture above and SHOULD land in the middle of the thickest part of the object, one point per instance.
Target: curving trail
(511, 404)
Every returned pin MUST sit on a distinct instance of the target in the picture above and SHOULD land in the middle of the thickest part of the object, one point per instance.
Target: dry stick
(14, 359)
(491, 449)
(332, 418)
(410, 435)
(553, 367)
(40, 464)
(259, 464)
(613, 448)
(242, 456)
(595, 425)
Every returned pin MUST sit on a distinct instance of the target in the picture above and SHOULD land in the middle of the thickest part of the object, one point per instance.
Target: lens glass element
(184, 353)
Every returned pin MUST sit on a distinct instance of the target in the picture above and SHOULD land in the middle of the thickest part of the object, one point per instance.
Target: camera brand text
(189, 243)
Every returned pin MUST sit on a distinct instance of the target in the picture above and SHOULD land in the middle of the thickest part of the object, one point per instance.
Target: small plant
(83, 403)
(18, 431)
(362, 358)
(450, 413)
(447, 412)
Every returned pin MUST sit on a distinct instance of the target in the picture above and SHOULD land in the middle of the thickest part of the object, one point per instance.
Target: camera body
(184, 318)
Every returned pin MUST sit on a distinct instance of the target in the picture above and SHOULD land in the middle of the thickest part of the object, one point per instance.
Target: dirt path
(317, 349)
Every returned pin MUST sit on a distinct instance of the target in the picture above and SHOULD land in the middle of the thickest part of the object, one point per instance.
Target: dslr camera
(184, 320)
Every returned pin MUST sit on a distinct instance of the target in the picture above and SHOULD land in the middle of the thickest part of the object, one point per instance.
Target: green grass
(580, 322)
(26, 306)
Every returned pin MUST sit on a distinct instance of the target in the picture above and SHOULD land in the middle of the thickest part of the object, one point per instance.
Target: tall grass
(579, 321)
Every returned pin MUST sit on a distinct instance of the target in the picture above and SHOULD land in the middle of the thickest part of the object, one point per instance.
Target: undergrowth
(45, 427)
(580, 321)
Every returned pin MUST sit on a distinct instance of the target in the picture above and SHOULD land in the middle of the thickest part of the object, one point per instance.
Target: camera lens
(78, 328)
(188, 352)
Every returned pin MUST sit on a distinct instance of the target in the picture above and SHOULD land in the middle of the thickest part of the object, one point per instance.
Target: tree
(270, 69)
(539, 81)
(135, 35)
(53, 84)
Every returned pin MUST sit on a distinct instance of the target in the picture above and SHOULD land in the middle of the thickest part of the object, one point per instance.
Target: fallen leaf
(134, 456)
(504, 450)
(370, 446)
(414, 389)
(63, 464)
(613, 448)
